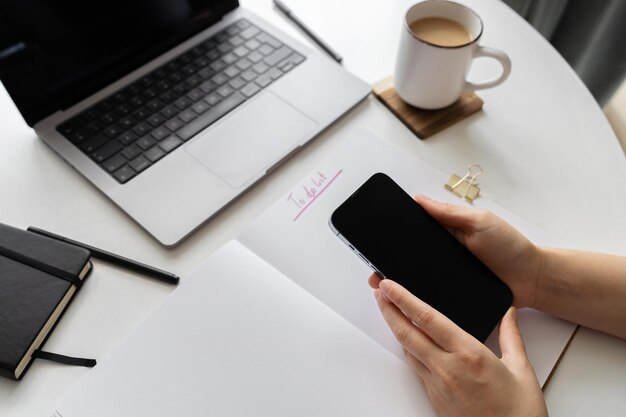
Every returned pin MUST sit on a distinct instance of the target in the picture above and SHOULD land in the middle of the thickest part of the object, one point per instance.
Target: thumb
(511, 342)
(447, 214)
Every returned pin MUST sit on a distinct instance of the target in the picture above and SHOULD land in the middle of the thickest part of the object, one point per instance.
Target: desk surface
(548, 154)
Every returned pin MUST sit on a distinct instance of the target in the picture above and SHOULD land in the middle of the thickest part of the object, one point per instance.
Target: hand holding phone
(393, 234)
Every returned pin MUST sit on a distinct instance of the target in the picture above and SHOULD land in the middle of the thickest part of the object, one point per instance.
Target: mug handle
(501, 57)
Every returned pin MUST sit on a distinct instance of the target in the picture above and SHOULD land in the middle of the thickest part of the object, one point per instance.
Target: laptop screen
(54, 53)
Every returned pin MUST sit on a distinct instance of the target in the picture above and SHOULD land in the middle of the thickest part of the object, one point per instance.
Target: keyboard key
(243, 64)
(174, 124)
(114, 163)
(154, 105)
(249, 32)
(78, 136)
(286, 67)
(232, 71)
(241, 51)
(277, 56)
(94, 143)
(189, 70)
(206, 73)
(113, 131)
(105, 152)
(215, 53)
(167, 97)
(124, 174)
(122, 110)
(201, 62)
(232, 29)
(140, 163)
(225, 91)
(193, 81)
(145, 143)
(250, 89)
(260, 68)
(142, 114)
(212, 99)
(195, 94)
(155, 120)
(218, 65)
(182, 103)
(249, 75)
(169, 111)
(255, 57)
(263, 81)
(154, 154)
(180, 89)
(160, 133)
(200, 107)
(237, 83)
(210, 116)
(94, 127)
(219, 79)
(127, 138)
(265, 49)
(223, 48)
(131, 152)
(142, 129)
(127, 122)
(275, 73)
(252, 44)
(207, 87)
(136, 101)
(187, 115)
(170, 143)
(109, 118)
(91, 114)
(151, 93)
(265, 38)
(236, 40)
(242, 24)
(230, 58)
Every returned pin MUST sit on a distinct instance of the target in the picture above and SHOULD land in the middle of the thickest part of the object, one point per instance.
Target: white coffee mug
(430, 76)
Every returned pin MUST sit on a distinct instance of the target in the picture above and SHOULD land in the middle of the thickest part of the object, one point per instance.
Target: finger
(447, 214)
(437, 326)
(409, 336)
(373, 280)
(511, 342)
(415, 363)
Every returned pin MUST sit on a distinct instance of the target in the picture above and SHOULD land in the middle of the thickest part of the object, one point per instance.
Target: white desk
(548, 154)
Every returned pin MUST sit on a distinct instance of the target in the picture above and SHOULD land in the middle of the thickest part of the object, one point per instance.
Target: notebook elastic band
(59, 273)
(67, 360)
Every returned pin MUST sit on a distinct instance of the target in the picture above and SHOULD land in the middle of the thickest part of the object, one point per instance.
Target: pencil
(289, 15)
(113, 258)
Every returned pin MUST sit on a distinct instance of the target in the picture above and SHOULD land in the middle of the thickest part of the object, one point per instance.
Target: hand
(507, 252)
(462, 377)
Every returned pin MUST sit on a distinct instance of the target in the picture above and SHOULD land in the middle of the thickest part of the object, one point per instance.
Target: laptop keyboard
(132, 129)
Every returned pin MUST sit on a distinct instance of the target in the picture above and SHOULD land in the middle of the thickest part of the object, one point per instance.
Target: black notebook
(38, 278)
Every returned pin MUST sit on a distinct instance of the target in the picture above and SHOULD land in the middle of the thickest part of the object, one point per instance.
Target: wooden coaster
(425, 123)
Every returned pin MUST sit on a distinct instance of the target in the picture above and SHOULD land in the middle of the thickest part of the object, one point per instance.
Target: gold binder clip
(466, 187)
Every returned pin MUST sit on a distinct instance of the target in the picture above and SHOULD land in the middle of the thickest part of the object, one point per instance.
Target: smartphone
(397, 238)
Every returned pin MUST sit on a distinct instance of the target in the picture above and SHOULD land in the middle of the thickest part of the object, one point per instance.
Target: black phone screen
(400, 240)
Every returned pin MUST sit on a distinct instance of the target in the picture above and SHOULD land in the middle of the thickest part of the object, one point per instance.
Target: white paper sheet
(240, 339)
(293, 235)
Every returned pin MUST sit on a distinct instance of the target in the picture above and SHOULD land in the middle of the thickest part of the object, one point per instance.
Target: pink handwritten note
(309, 191)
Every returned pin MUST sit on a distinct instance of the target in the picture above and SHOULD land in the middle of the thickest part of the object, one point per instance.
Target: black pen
(289, 14)
(113, 258)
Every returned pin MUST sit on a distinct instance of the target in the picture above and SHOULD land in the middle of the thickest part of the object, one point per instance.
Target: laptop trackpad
(252, 140)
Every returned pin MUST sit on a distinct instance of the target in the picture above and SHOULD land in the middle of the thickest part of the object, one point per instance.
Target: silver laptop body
(190, 185)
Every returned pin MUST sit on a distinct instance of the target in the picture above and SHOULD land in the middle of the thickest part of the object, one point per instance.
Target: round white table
(548, 154)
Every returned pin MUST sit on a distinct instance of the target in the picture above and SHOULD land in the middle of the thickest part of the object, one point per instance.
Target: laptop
(171, 108)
